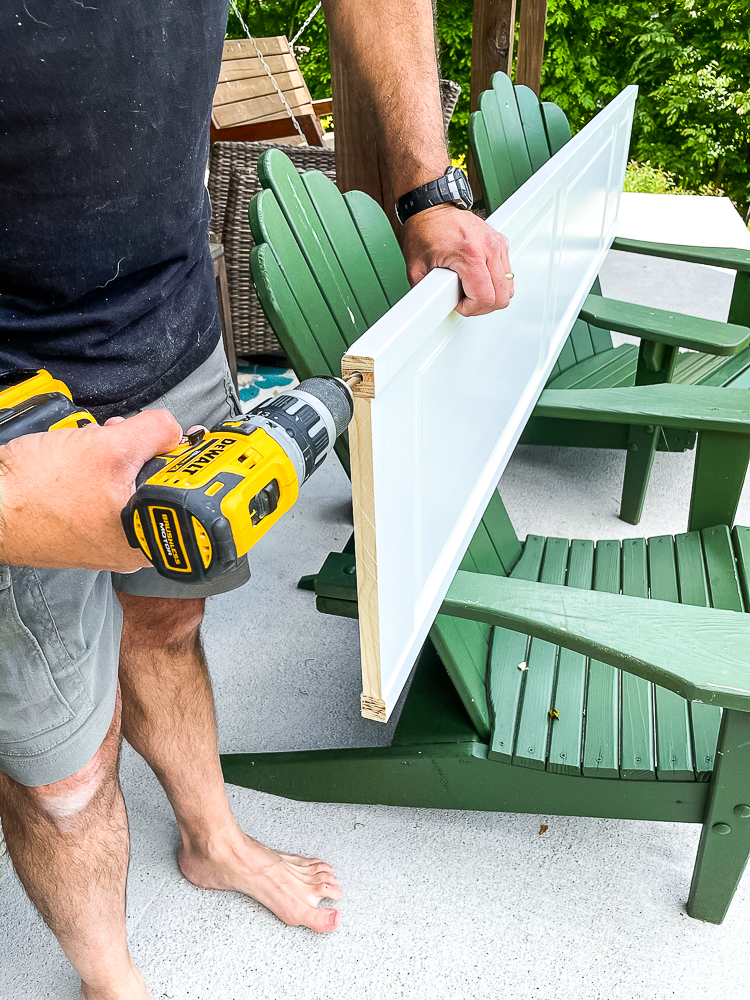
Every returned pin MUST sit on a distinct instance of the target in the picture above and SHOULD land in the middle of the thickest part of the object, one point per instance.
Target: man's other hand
(61, 493)
(446, 236)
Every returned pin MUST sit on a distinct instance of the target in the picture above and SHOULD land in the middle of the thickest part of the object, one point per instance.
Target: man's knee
(160, 621)
(62, 802)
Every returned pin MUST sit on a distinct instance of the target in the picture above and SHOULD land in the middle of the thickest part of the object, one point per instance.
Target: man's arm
(389, 47)
(61, 493)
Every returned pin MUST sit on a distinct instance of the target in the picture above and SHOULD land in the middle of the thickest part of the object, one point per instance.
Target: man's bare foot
(130, 987)
(289, 885)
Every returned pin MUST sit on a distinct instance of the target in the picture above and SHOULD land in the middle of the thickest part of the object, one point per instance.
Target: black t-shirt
(105, 272)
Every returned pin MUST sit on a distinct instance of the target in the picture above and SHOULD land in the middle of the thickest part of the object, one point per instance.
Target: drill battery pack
(32, 400)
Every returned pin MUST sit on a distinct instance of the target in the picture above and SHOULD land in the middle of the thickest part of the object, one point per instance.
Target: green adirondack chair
(511, 136)
(536, 656)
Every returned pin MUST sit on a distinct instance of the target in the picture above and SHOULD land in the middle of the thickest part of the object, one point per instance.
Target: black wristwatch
(450, 189)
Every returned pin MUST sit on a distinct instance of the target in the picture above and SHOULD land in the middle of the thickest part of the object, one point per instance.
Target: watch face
(459, 186)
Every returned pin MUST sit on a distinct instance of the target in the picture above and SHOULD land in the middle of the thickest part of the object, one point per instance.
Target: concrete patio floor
(439, 905)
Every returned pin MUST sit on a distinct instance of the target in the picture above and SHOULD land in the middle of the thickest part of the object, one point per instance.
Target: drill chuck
(200, 507)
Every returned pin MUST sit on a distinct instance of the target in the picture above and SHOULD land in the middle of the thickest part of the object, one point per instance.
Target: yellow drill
(199, 507)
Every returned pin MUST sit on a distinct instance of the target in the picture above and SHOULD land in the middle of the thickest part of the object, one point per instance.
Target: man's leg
(69, 845)
(168, 717)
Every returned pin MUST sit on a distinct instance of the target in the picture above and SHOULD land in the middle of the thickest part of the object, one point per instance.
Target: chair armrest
(697, 407)
(699, 653)
(323, 106)
(665, 327)
(737, 260)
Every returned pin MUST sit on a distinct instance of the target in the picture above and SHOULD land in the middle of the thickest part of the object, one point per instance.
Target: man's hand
(446, 236)
(61, 493)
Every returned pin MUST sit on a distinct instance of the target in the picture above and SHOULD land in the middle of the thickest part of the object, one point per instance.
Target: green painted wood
(464, 652)
(433, 711)
(495, 189)
(704, 407)
(721, 462)
(566, 359)
(604, 370)
(277, 173)
(712, 662)
(533, 126)
(556, 126)
(483, 552)
(457, 776)
(347, 245)
(601, 757)
(501, 532)
(580, 338)
(380, 243)
(291, 327)
(637, 754)
(674, 751)
(503, 118)
(723, 577)
(566, 741)
(666, 327)
(739, 307)
(741, 380)
(269, 226)
(575, 433)
(741, 540)
(642, 442)
(704, 719)
(506, 681)
(693, 368)
(728, 369)
(541, 667)
(729, 257)
(725, 838)
(497, 143)
(508, 659)
(289, 322)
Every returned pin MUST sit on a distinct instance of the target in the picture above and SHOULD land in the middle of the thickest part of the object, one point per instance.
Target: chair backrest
(326, 267)
(511, 136)
(246, 94)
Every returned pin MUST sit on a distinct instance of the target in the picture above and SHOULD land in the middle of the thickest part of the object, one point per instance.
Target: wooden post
(531, 29)
(360, 163)
(491, 43)
(491, 52)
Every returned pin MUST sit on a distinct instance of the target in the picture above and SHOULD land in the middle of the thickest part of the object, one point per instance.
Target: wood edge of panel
(350, 363)
(373, 708)
(365, 545)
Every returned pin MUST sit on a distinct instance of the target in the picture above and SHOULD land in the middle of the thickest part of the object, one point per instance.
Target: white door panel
(445, 398)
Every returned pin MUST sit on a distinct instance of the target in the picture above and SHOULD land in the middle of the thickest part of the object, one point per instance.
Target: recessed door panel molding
(445, 398)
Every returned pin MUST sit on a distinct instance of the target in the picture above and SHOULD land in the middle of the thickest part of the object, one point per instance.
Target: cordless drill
(32, 401)
(199, 507)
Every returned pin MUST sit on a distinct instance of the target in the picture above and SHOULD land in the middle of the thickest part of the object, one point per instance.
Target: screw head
(722, 829)
(632, 446)
(742, 810)
(350, 570)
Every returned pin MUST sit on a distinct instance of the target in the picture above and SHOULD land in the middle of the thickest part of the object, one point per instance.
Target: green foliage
(691, 61)
(642, 178)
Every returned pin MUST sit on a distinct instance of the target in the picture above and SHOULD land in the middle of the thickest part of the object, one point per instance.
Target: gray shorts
(60, 629)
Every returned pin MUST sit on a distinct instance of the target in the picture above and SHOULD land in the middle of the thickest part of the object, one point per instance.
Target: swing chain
(267, 68)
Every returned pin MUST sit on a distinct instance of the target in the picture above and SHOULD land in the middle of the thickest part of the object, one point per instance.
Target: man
(106, 280)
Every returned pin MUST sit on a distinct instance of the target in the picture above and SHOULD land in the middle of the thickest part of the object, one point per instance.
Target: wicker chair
(232, 182)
